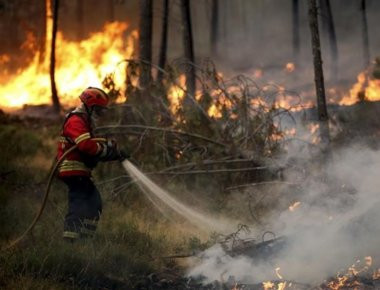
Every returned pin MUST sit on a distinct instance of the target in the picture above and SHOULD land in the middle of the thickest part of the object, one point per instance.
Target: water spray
(152, 190)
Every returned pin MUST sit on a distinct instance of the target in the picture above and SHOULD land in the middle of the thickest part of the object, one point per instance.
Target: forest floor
(128, 250)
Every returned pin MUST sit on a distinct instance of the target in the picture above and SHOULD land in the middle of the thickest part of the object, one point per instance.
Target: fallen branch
(261, 183)
(206, 162)
(177, 256)
(110, 127)
(211, 171)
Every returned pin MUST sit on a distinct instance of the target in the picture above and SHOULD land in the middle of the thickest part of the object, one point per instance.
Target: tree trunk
(318, 74)
(111, 11)
(145, 42)
(329, 30)
(188, 47)
(80, 22)
(366, 55)
(42, 37)
(214, 26)
(54, 94)
(13, 27)
(164, 40)
(296, 29)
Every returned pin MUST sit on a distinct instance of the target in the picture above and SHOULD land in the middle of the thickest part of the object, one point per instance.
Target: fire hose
(45, 197)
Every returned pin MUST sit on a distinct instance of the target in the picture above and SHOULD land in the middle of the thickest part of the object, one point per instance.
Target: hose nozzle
(123, 155)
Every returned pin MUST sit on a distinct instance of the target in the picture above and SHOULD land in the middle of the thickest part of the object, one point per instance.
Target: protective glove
(110, 151)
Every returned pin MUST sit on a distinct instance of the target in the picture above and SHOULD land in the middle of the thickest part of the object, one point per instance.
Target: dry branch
(168, 130)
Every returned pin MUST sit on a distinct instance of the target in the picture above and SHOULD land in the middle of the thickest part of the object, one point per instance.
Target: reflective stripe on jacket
(77, 131)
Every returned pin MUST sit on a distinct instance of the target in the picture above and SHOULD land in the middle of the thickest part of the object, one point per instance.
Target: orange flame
(268, 285)
(176, 93)
(349, 279)
(368, 89)
(78, 65)
(290, 67)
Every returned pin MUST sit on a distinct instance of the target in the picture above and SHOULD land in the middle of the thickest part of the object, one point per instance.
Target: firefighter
(84, 201)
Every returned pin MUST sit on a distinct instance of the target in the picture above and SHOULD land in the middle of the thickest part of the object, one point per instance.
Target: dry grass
(127, 244)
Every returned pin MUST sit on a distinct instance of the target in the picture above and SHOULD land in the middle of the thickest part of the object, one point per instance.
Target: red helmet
(94, 97)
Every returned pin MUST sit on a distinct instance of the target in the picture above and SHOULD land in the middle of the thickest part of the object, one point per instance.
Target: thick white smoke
(336, 224)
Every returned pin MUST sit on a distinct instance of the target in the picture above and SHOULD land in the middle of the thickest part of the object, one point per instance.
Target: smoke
(336, 224)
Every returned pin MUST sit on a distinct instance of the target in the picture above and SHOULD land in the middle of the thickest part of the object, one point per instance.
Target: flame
(338, 283)
(78, 65)
(176, 93)
(268, 285)
(290, 67)
(281, 286)
(351, 277)
(367, 89)
(294, 206)
(313, 129)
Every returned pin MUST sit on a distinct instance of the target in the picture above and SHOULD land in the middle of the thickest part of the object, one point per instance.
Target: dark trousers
(85, 207)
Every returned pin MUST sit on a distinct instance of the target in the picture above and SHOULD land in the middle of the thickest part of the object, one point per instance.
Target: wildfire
(364, 89)
(78, 65)
(269, 285)
(176, 93)
(351, 277)
(272, 286)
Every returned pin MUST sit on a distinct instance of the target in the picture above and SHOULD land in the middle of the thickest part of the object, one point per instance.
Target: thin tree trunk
(318, 74)
(366, 55)
(329, 29)
(145, 42)
(54, 94)
(80, 22)
(214, 26)
(165, 113)
(224, 16)
(164, 40)
(42, 36)
(111, 11)
(296, 29)
(13, 28)
(188, 47)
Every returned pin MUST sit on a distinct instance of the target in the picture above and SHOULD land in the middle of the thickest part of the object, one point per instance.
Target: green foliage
(16, 142)
(119, 250)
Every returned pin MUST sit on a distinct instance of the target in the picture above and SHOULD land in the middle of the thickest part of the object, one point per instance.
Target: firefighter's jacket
(77, 130)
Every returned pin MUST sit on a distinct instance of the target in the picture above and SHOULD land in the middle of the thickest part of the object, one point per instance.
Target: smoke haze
(336, 224)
